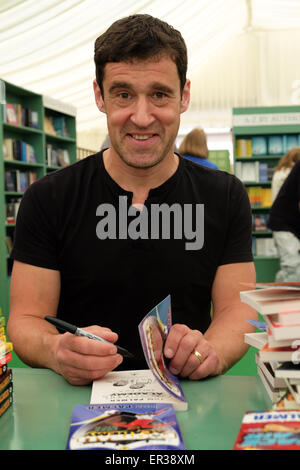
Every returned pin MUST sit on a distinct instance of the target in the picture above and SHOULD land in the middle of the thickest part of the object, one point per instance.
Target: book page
(131, 386)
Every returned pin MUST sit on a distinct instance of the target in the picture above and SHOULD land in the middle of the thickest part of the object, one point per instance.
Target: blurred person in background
(283, 169)
(194, 147)
(284, 221)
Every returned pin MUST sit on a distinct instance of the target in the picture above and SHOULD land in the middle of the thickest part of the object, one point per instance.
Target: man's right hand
(81, 360)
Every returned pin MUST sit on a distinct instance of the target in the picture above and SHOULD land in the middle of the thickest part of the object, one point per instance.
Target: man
(284, 220)
(103, 241)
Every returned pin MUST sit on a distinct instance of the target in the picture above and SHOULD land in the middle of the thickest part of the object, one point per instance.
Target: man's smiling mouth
(142, 136)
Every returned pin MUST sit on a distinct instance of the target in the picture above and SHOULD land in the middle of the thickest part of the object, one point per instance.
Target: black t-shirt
(115, 282)
(284, 214)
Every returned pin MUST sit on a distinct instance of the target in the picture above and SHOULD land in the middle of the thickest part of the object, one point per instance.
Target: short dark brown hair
(139, 37)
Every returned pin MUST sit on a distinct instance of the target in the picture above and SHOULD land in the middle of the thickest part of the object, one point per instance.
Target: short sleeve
(238, 242)
(35, 240)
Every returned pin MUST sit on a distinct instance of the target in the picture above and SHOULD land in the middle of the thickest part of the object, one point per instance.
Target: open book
(153, 385)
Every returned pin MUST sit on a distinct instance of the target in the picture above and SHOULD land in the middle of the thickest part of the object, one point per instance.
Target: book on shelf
(264, 246)
(259, 197)
(243, 148)
(259, 146)
(259, 222)
(155, 384)
(9, 244)
(290, 141)
(16, 114)
(18, 181)
(276, 145)
(279, 304)
(56, 125)
(254, 172)
(11, 113)
(269, 430)
(18, 150)
(57, 156)
(11, 210)
(6, 375)
(125, 426)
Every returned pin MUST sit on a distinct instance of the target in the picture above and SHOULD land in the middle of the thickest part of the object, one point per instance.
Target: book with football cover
(124, 427)
(269, 430)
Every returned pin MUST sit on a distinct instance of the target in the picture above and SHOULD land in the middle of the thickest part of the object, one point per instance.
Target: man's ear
(185, 98)
(98, 97)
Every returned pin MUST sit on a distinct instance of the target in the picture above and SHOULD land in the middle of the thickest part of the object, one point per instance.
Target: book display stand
(261, 136)
(37, 136)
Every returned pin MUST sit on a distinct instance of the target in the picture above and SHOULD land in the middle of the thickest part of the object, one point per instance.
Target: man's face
(143, 103)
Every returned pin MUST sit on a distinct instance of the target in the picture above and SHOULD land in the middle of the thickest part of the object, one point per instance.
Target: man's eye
(124, 95)
(159, 94)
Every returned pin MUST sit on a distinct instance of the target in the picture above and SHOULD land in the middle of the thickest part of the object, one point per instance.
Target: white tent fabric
(241, 52)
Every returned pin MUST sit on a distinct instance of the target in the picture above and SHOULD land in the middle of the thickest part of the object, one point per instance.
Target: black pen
(63, 325)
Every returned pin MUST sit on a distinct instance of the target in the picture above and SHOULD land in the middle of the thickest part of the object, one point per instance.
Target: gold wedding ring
(199, 356)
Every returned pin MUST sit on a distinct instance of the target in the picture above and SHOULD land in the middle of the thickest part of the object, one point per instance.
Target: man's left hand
(190, 355)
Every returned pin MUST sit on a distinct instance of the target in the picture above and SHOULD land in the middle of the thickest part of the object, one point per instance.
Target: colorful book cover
(275, 145)
(124, 427)
(154, 329)
(259, 145)
(269, 430)
(155, 384)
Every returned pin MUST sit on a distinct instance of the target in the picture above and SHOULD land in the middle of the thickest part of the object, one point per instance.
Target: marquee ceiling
(241, 52)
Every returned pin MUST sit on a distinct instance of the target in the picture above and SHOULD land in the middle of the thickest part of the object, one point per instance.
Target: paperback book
(6, 375)
(155, 384)
(279, 342)
(269, 430)
(124, 427)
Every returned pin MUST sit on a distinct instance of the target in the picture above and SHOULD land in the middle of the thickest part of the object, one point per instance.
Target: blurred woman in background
(194, 147)
(283, 169)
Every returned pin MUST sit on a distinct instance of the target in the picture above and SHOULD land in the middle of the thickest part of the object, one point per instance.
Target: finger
(86, 367)
(208, 367)
(184, 350)
(87, 346)
(174, 337)
(102, 332)
(196, 358)
(82, 376)
(82, 353)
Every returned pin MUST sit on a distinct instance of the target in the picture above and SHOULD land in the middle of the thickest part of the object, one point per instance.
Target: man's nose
(142, 115)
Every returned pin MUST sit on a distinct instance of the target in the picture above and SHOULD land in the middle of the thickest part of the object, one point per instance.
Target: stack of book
(6, 382)
(278, 341)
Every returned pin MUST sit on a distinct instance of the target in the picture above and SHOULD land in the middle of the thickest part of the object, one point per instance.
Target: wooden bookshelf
(26, 148)
(261, 136)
